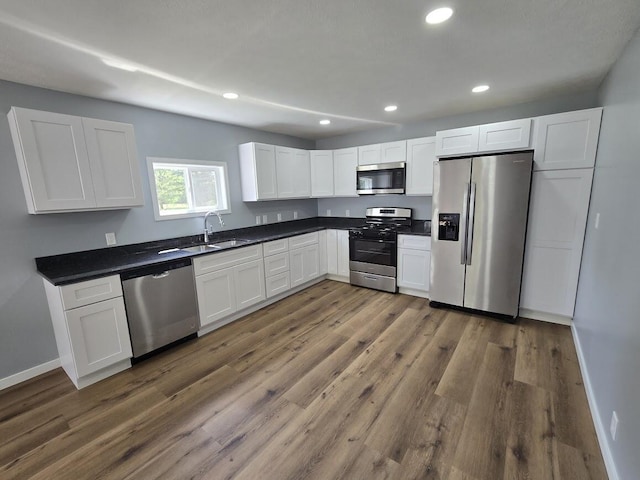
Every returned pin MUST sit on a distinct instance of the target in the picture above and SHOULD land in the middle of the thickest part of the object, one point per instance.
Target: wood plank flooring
(335, 382)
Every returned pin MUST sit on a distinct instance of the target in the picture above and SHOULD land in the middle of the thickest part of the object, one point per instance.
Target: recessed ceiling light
(118, 64)
(230, 95)
(480, 88)
(439, 15)
(325, 122)
(390, 108)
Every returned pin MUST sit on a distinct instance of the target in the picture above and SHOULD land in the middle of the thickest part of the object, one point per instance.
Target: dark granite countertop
(75, 267)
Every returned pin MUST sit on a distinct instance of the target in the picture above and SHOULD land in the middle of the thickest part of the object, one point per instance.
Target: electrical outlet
(348, 212)
(264, 219)
(613, 428)
(295, 214)
(111, 238)
(258, 220)
(279, 217)
(597, 220)
(328, 212)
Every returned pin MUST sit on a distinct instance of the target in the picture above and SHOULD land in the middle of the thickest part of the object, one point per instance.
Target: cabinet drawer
(91, 291)
(275, 247)
(278, 284)
(218, 261)
(414, 242)
(303, 240)
(276, 264)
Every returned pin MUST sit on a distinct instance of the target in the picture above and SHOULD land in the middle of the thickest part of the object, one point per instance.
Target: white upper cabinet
(421, 153)
(370, 154)
(393, 152)
(382, 153)
(345, 161)
(114, 163)
(566, 140)
(258, 171)
(505, 136)
(293, 172)
(321, 173)
(457, 141)
(492, 137)
(53, 160)
(69, 163)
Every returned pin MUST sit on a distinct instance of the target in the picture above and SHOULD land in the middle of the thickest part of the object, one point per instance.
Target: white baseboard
(29, 373)
(601, 430)
(544, 317)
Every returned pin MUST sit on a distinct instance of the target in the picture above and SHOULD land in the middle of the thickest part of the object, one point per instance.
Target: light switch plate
(258, 220)
(295, 214)
(264, 219)
(279, 217)
(111, 238)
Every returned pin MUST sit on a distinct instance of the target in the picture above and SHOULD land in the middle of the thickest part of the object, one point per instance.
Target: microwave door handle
(463, 223)
(472, 214)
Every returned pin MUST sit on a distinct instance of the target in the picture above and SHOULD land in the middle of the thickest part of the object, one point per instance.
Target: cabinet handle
(161, 275)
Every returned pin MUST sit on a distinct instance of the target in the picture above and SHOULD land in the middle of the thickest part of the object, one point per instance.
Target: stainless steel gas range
(373, 256)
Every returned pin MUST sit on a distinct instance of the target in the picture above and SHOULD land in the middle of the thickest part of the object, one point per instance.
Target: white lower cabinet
(234, 281)
(92, 336)
(278, 284)
(414, 263)
(305, 264)
(338, 254)
(276, 267)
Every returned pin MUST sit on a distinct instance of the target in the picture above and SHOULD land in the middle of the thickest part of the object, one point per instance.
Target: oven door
(373, 256)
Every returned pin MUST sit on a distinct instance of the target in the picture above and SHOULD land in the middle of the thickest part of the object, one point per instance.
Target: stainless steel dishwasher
(161, 305)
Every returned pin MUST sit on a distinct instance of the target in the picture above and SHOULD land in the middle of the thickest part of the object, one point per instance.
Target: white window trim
(184, 161)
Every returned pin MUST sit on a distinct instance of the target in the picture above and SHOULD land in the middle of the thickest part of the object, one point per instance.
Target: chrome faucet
(209, 230)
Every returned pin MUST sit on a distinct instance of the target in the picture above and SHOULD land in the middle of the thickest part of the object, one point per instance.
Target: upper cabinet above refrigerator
(494, 137)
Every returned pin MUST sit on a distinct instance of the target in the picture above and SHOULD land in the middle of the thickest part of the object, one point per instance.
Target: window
(187, 188)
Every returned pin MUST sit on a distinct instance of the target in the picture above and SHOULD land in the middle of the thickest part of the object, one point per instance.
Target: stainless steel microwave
(380, 178)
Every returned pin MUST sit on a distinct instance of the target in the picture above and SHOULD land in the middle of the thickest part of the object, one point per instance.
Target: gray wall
(607, 316)
(26, 335)
(422, 205)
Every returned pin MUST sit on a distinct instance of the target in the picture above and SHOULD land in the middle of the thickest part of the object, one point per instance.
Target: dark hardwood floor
(336, 382)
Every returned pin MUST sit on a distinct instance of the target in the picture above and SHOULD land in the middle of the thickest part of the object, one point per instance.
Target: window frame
(186, 163)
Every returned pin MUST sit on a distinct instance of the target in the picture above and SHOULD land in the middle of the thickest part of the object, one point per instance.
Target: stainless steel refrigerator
(480, 208)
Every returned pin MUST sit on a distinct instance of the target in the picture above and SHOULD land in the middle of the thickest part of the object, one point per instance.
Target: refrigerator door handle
(472, 214)
(463, 223)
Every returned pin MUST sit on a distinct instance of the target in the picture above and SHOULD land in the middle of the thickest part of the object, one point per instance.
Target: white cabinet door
(321, 173)
(370, 154)
(421, 153)
(394, 152)
(216, 295)
(343, 252)
(249, 284)
(458, 141)
(311, 262)
(53, 160)
(332, 252)
(293, 173)
(114, 163)
(413, 269)
(322, 251)
(555, 236)
(345, 161)
(505, 136)
(566, 140)
(296, 266)
(276, 264)
(99, 335)
(258, 171)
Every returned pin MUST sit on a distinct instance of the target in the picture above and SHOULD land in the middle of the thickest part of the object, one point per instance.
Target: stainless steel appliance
(373, 252)
(380, 178)
(480, 208)
(161, 305)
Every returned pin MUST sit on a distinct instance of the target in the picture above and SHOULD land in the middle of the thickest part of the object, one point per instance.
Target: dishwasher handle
(158, 270)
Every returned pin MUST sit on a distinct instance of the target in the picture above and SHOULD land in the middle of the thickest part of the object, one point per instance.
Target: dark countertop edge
(68, 268)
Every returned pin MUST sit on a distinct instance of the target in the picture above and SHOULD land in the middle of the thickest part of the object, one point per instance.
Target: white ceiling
(295, 62)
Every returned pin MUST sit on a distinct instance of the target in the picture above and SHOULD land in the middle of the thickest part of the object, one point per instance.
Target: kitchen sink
(212, 247)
